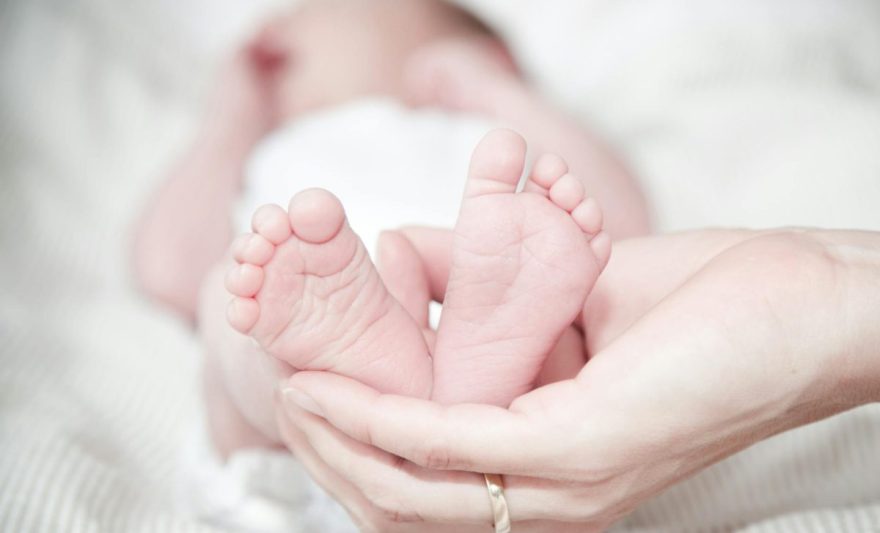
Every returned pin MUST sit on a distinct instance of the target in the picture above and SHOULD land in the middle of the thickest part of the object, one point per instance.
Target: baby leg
(238, 377)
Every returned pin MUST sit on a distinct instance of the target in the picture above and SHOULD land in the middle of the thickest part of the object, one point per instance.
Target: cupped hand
(705, 344)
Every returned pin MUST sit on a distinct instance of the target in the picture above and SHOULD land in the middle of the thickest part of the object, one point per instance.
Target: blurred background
(752, 113)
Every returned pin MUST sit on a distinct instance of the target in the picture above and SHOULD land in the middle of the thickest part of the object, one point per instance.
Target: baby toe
(252, 248)
(601, 246)
(242, 314)
(271, 222)
(244, 280)
(588, 216)
(238, 245)
(567, 192)
(547, 170)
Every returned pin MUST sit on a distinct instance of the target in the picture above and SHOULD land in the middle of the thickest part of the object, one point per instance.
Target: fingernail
(302, 400)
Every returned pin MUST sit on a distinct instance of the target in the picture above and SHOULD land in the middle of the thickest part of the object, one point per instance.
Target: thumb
(434, 247)
(401, 269)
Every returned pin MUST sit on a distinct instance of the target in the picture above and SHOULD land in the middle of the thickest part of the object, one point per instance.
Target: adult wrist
(859, 316)
(869, 348)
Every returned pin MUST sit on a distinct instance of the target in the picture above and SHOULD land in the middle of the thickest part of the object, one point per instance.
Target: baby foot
(522, 267)
(307, 292)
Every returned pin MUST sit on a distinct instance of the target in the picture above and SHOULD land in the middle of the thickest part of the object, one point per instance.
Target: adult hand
(763, 333)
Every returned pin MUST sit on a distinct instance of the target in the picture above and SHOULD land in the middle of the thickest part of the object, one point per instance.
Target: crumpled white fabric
(389, 165)
(254, 490)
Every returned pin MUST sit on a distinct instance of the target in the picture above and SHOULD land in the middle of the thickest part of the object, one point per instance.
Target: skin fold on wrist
(858, 255)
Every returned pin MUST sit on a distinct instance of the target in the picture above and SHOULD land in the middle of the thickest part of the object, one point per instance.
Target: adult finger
(394, 486)
(340, 490)
(406, 491)
(477, 438)
(365, 515)
(401, 268)
(434, 246)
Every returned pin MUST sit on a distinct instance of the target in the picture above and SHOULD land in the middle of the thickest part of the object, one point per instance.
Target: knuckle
(373, 491)
(589, 470)
(795, 257)
(370, 524)
(387, 505)
(399, 464)
(435, 456)
(366, 519)
(599, 503)
(368, 434)
(581, 506)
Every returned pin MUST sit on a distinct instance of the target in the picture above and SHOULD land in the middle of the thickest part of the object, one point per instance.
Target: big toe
(496, 164)
(316, 216)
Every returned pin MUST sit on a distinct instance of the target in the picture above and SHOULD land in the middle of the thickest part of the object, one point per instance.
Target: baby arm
(185, 229)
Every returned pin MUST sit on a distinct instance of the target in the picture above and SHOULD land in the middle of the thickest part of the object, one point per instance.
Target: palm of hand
(689, 367)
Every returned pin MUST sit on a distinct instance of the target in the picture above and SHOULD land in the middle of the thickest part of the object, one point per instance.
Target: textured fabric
(746, 113)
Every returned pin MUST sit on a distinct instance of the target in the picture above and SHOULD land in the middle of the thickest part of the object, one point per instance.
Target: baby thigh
(239, 377)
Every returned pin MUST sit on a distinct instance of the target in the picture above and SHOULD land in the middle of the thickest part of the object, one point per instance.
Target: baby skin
(522, 266)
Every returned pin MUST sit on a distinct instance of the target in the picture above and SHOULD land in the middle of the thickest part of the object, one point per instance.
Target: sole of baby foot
(306, 291)
(522, 266)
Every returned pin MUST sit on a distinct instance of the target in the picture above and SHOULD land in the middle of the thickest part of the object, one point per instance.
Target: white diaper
(390, 166)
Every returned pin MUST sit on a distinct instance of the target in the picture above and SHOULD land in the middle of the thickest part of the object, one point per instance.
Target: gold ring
(500, 512)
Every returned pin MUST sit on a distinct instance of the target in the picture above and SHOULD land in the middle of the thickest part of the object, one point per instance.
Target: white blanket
(749, 113)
